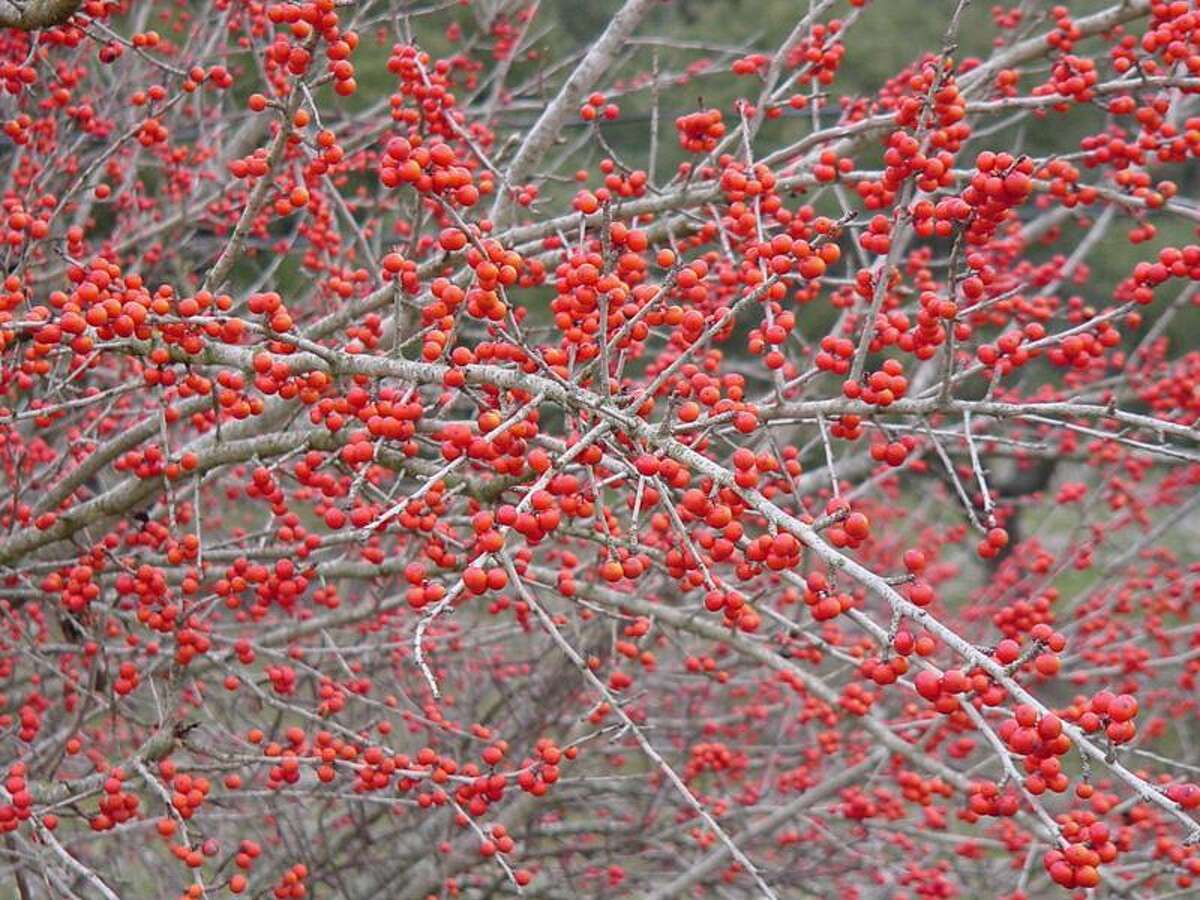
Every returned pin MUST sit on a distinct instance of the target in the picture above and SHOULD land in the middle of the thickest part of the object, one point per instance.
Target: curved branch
(598, 60)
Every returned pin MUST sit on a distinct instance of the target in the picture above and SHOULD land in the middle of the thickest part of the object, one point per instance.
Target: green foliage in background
(884, 38)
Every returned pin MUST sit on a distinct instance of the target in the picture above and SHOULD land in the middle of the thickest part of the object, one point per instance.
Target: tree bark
(28, 15)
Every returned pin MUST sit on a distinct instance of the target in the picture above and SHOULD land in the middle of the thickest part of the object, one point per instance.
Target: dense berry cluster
(424, 474)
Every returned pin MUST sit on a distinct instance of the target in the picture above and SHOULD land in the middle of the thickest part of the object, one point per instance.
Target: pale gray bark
(545, 130)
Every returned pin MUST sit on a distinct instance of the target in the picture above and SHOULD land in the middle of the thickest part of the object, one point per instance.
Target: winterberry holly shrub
(445, 453)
